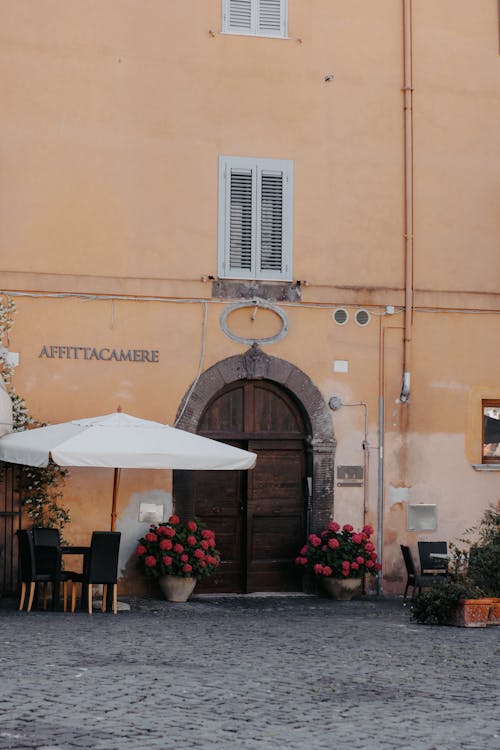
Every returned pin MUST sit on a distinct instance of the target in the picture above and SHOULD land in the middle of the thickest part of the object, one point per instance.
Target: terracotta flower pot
(176, 588)
(494, 618)
(472, 613)
(342, 588)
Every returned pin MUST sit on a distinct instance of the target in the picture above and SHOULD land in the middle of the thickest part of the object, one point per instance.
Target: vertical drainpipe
(408, 170)
(380, 473)
(408, 238)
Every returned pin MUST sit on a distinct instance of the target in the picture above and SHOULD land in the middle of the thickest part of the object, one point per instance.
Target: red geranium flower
(169, 549)
(344, 551)
(174, 520)
(368, 530)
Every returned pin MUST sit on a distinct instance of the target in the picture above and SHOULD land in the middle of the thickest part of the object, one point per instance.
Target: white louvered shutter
(238, 16)
(274, 220)
(262, 17)
(270, 17)
(255, 218)
(240, 220)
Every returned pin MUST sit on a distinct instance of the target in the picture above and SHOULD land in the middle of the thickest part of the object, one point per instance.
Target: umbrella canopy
(120, 441)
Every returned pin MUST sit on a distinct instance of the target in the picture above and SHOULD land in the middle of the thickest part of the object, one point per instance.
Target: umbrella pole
(116, 484)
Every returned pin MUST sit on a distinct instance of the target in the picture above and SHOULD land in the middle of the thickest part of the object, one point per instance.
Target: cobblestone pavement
(254, 673)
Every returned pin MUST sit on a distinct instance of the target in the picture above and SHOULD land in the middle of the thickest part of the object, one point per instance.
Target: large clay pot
(494, 617)
(472, 613)
(176, 588)
(342, 588)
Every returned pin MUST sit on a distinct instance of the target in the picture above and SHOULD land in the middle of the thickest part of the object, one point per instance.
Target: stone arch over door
(254, 364)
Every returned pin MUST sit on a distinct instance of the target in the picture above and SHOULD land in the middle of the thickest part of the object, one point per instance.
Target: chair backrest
(103, 559)
(46, 537)
(26, 554)
(47, 543)
(426, 561)
(408, 558)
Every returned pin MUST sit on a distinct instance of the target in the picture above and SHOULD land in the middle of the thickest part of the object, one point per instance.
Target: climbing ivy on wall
(42, 486)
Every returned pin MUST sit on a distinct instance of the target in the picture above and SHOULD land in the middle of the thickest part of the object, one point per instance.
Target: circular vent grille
(341, 316)
(362, 317)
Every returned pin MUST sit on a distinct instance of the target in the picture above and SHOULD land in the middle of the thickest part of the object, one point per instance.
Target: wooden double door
(259, 516)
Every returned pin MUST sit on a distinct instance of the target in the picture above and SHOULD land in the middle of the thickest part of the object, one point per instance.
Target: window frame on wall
(255, 218)
(255, 17)
(489, 403)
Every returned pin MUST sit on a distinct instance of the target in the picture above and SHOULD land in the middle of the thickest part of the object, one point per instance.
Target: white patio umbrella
(120, 441)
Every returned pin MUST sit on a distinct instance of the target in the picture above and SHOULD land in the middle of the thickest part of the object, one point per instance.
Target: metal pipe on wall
(408, 172)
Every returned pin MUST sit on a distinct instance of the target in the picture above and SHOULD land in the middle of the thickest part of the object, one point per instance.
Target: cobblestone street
(249, 672)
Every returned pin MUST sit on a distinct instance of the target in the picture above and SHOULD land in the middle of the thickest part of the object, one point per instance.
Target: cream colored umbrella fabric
(5, 409)
(121, 441)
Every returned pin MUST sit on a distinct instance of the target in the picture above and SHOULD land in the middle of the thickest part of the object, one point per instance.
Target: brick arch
(254, 364)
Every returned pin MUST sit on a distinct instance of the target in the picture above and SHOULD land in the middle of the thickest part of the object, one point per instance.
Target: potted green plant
(178, 555)
(470, 596)
(340, 557)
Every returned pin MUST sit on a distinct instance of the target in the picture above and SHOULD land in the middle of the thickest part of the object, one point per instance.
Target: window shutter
(240, 221)
(255, 218)
(271, 17)
(271, 222)
(238, 16)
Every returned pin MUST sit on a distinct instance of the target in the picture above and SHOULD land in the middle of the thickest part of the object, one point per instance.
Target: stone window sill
(486, 467)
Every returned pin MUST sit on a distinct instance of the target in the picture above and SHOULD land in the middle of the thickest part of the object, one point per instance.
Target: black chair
(101, 567)
(29, 574)
(413, 578)
(432, 565)
(48, 558)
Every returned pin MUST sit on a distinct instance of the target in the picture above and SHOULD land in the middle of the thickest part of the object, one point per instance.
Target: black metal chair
(418, 582)
(29, 574)
(101, 567)
(433, 565)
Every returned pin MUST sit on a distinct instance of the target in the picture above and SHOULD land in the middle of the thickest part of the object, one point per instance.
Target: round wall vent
(340, 316)
(362, 317)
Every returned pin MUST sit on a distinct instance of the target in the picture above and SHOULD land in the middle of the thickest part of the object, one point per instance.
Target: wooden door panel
(218, 505)
(259, 516)
(276, 516)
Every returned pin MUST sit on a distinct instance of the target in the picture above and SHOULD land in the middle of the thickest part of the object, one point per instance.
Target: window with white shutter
(255, 218)
(257, 17)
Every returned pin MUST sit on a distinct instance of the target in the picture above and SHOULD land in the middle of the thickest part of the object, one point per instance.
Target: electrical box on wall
(151, 513)
(421, 517)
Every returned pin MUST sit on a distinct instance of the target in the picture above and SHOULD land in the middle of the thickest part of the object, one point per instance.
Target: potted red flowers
(340, 557)
(178, 555)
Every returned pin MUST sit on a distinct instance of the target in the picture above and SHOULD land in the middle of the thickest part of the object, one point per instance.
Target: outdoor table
(78, 551)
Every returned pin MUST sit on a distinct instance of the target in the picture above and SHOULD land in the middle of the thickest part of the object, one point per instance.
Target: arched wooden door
(259, 516)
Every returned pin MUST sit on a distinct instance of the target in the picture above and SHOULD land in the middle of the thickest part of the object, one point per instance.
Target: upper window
(258, 17)
(491, 431)
(255, 218)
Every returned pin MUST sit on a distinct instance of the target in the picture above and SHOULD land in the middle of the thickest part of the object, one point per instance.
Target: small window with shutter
(257, 17)
(255, 218)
